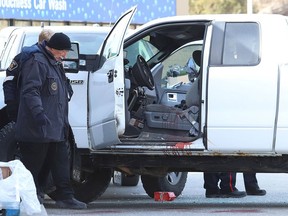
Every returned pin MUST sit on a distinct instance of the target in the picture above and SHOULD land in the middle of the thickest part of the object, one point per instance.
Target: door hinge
(111, 74)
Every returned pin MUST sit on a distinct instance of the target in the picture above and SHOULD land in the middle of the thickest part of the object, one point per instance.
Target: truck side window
(241, 44)
(174, 67)
(8, 53)
(142, 47)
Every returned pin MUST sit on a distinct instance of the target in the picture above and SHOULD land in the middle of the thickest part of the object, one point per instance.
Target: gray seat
(197, 55)
(162, 116)
(193, 94)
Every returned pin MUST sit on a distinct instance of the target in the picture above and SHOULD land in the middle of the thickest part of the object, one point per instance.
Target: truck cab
(239, 96)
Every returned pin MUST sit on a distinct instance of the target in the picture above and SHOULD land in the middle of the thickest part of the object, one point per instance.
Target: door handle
(111, 74)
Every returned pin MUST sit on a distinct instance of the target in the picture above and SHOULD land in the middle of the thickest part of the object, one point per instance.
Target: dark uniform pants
(250, 181)
(227, 181)
(39, 158)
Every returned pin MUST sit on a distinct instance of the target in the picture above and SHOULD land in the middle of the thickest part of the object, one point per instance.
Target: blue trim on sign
(85, 10)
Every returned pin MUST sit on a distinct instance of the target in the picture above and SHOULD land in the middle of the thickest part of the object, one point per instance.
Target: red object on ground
(164, 196)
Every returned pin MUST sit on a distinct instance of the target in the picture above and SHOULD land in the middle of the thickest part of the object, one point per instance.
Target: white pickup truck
(137, 116)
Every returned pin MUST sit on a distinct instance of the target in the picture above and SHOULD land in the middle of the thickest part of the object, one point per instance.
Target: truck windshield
(89, 43)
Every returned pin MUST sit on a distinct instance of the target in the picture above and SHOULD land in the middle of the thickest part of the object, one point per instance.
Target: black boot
(233, 194)
(255, 191)
(213, 193)
(71, 203)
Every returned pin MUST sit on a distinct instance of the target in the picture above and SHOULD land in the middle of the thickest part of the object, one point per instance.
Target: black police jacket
(43, 91)
(10, 84)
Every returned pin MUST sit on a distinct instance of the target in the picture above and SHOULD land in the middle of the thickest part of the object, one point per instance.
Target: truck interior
(163, 97)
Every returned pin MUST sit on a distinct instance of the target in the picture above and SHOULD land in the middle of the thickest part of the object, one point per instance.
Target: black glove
(12, 110)
(42, 119)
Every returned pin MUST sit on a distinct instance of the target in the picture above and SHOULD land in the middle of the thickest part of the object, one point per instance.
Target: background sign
(85, 10)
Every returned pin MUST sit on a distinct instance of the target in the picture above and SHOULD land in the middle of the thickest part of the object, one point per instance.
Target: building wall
(262, 6)
(182, 7)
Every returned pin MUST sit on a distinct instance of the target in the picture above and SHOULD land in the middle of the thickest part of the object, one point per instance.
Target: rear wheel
(130, 180)
(172, 182)
(92, 184)
(123, 179)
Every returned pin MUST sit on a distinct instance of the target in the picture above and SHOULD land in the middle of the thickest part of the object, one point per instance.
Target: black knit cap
(59, 41)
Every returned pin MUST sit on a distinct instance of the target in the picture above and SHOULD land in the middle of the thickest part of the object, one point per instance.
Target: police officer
(10, 84)
(42, 124)
(11, 96)
(221, 185)
(251, 185)
(227, 185)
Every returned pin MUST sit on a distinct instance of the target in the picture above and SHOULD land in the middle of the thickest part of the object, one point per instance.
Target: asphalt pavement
(131, 201)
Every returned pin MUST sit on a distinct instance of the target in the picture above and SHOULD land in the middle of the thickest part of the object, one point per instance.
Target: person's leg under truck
(211, 181)
(228, 181)
(250, 181)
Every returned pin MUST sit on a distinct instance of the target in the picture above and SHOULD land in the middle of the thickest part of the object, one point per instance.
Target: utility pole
(249, 6)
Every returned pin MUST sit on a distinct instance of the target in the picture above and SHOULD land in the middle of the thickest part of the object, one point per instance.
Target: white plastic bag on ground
(18, 188)
(42, 213)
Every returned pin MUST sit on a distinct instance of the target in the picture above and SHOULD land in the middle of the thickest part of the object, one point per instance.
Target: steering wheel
(142, 73)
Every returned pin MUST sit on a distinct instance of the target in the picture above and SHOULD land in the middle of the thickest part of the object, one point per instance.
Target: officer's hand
(41, 119)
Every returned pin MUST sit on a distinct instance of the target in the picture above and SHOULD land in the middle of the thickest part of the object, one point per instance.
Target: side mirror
(71, 62)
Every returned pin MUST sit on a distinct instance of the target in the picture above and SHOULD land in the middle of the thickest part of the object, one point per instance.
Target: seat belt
(188, 114)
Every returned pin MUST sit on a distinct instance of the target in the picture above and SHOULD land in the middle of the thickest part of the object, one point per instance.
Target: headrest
(197, 57)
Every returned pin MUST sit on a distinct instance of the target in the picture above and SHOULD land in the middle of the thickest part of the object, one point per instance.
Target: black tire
(129, 180)
(8, 144)
(89, 189)
(93, 185)
(172, 182)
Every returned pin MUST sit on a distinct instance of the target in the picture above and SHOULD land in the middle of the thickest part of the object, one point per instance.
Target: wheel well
(78, 157)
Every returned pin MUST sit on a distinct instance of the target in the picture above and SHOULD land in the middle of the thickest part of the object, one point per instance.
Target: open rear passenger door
(242, 91)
